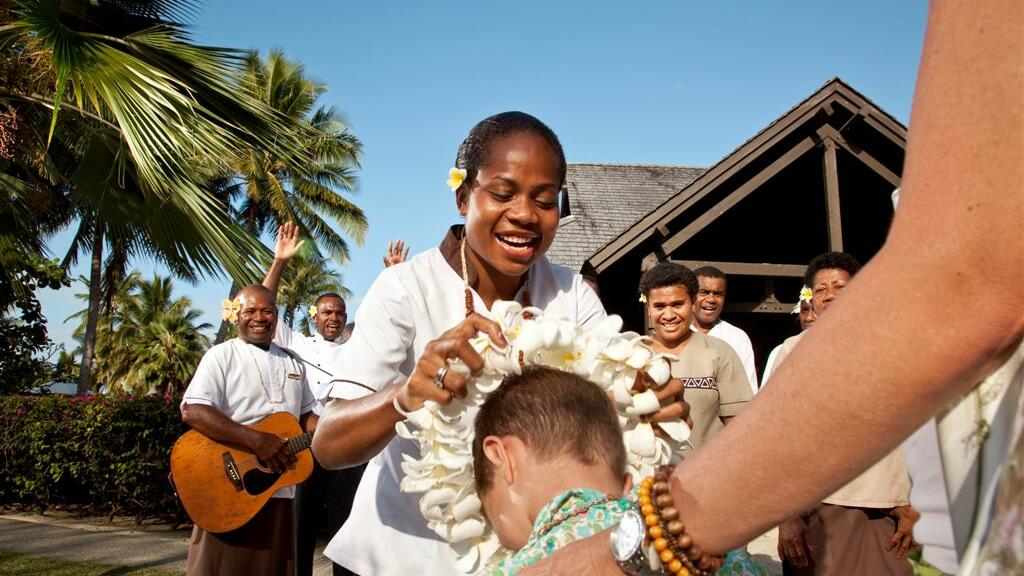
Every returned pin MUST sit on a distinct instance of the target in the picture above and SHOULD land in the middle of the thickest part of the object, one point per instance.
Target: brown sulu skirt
(850, 541)
(264, 546)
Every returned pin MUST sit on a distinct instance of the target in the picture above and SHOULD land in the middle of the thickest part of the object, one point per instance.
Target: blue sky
(659, 82)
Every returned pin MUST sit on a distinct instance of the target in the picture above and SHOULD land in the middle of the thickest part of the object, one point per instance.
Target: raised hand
(288, 243)
(397, 252)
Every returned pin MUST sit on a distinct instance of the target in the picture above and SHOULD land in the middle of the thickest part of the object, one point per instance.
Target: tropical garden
(148, 148)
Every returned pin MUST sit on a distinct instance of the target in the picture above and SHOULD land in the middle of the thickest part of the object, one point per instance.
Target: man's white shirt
(247, 383)
(320, 357)
(738, 340)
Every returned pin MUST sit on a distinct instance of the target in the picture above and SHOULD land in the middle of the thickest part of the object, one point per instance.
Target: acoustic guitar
(223, 486)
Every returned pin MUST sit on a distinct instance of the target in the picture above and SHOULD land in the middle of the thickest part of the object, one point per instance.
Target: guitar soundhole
(258, 481)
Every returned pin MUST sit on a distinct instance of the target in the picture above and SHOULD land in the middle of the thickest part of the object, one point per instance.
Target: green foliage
(107, 454)
(23, 337)
(153, 111)
(268, 189)
(149, 341)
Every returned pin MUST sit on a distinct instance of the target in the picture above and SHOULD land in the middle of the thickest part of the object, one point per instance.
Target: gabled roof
(606, 199)
(768, 141)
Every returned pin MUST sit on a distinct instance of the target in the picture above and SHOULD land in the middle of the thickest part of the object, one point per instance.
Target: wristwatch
(628, 544)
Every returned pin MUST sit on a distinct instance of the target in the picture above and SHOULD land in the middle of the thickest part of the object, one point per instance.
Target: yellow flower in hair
(229, 309)
(455, 178)
(312, 310)
(806, 294)
(643, 298)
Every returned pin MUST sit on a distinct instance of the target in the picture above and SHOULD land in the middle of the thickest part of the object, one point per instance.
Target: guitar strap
(334, 378)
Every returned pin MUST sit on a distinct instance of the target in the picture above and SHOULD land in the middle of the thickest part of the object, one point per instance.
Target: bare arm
(308, 421)
(286, 247)
(957, 232)
(210, 422)
(350, 432)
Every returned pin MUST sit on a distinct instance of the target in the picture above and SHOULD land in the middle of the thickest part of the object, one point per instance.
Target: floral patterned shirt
(598, 517)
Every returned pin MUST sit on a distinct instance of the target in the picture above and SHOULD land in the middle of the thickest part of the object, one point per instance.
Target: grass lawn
(12, 563)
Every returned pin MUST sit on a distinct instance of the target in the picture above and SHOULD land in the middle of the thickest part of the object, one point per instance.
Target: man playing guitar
(239, 383)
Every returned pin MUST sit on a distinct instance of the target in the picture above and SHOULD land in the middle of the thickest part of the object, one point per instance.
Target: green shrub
(103, 454)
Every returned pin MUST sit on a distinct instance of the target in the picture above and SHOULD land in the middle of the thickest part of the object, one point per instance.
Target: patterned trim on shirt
(708, 383)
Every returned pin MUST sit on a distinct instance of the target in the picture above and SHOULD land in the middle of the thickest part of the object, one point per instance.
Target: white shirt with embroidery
(321, 358)
(247, 383)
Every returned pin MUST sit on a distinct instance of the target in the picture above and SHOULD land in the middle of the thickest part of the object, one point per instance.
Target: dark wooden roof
(606, 199)
(783, 139)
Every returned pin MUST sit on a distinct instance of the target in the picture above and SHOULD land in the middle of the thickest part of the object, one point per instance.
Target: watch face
(627, 536)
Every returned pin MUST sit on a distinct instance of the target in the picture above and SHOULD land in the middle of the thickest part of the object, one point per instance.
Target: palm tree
(304, 281)
(150, 341)
(269, 189)
(153, 110)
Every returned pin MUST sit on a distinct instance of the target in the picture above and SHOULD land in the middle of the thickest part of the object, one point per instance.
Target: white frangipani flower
(622, 364)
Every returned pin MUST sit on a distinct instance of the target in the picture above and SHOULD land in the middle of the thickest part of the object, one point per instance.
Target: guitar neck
(300, 442)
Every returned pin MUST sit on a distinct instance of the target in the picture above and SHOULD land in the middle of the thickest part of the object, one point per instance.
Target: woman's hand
(903, 540)
(453, 344)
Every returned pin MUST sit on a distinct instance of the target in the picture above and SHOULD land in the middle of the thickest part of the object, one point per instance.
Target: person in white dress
(421, 313)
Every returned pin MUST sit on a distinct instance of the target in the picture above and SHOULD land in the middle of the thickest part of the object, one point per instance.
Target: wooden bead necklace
(469, 292)
(675, 548)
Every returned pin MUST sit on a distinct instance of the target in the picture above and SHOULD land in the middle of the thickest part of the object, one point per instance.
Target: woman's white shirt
(408, 306)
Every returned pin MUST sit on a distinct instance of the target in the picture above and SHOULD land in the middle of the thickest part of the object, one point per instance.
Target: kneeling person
(238, 383)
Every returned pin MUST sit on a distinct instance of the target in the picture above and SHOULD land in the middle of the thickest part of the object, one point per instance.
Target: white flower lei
(444, 471)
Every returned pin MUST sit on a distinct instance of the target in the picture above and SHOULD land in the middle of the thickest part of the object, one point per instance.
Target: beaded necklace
(465, 282)
(263, 385)
(570, 513)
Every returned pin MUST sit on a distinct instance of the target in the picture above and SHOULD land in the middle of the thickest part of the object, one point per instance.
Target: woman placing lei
(420, 315)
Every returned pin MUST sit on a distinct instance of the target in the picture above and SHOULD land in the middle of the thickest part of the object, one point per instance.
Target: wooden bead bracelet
(675, 548)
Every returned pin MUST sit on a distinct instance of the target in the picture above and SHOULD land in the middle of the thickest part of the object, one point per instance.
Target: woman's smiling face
(511, 208)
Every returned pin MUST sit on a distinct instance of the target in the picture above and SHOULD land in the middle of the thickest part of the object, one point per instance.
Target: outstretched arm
(351, 432)
(867, 376)
(286, 247)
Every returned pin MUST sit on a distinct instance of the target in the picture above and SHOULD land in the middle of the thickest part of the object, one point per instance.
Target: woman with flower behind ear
(418, 316)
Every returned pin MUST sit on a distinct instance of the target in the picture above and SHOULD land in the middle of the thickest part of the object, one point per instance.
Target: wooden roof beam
(740, 193)
(861, 154)
(748, 268)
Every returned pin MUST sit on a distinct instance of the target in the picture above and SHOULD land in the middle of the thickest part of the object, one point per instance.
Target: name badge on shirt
(293, 376)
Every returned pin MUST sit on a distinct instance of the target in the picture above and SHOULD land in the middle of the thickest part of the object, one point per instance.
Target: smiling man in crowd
(319, 353)
(708, 318)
